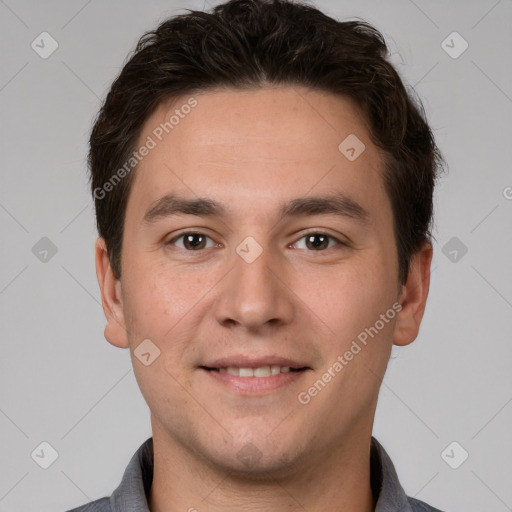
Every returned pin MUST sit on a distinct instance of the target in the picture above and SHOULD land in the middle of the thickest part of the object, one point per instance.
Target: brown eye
(318, 242)
(191, 241)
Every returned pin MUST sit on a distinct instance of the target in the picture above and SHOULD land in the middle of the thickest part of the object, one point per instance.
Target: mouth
(255, 377)
(259, 372)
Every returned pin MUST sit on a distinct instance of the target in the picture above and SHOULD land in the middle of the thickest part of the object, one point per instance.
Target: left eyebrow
(337, 204)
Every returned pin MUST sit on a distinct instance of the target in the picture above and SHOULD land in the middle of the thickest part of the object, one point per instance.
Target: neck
(185, 482)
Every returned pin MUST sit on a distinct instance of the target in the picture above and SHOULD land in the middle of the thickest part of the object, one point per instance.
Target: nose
(254, 295)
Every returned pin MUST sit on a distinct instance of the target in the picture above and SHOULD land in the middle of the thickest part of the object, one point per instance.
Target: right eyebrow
(171, 204)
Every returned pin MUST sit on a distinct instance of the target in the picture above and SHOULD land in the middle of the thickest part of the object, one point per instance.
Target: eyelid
(317, 231)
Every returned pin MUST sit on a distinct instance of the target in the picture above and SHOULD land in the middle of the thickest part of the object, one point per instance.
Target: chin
(266, 467)
(256, 458)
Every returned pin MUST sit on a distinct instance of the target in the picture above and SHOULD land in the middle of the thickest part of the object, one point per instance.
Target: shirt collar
(133, 492)
(386, 487)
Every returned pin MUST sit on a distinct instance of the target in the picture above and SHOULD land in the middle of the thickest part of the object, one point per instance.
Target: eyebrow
(338, 204)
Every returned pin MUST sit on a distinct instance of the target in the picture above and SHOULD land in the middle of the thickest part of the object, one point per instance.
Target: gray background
(62, 383)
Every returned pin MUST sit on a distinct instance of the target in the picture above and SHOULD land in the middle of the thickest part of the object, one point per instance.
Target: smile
(261, 371)
(257, 381)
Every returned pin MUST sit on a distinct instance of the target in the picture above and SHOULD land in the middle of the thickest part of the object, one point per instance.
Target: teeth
(262, 371)
(246, 372)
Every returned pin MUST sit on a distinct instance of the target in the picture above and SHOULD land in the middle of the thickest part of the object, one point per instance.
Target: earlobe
(111, 297)
(413, 297)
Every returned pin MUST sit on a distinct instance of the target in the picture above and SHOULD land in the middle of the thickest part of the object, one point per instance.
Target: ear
(111, 298)
(413, 297)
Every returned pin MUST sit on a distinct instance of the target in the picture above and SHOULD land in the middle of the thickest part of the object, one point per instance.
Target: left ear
(413, 297)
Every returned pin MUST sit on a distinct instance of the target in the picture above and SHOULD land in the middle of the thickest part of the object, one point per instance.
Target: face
(256, 256)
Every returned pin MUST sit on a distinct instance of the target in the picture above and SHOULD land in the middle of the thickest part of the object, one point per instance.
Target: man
(263, 190)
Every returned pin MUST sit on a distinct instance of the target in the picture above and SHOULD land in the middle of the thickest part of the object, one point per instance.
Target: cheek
(164, 304)
(158, 307)
(155, 299)
(350, 298)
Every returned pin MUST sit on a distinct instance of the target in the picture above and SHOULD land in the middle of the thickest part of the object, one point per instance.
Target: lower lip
(255, 385)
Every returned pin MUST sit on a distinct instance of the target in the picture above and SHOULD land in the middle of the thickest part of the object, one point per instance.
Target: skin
(251, 151)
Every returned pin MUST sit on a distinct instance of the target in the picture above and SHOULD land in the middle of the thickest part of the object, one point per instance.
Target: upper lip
(242, 361)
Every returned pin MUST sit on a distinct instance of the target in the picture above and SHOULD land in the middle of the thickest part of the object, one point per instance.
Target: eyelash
(330, 237)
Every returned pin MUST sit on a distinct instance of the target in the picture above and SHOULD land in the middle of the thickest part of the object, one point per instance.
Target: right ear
(111, 298)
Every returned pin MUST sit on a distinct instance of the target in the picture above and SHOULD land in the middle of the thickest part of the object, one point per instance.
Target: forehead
(275, 115)
(257, 145)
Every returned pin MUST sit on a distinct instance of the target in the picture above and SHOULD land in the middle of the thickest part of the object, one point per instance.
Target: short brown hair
(248, 44)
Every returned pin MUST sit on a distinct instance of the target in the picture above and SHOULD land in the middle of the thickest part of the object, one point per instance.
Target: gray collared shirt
(133, 491)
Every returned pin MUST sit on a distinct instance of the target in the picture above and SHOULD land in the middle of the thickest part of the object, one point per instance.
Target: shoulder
(420, 506)
(101, 505)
